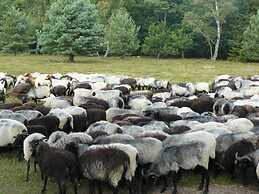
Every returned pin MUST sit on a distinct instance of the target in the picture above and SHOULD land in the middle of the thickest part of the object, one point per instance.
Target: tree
(121, 34)
(71, 28)
(158, 40)
(182, 40)
(251, 39)
(208, 18)
(14, 31)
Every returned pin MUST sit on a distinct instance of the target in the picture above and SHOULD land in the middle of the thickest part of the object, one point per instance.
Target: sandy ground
(214, 189)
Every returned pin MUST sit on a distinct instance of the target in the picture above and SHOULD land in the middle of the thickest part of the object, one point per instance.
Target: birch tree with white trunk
(207, 18)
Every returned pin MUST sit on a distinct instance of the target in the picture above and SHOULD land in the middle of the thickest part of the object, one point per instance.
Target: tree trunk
(165, 17)
(107, 50)
(71, 58)
(182, 53)
(158, 55)
(216, 15)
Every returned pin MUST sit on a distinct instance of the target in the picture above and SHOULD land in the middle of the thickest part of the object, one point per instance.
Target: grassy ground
(12, 176)
(175, 70)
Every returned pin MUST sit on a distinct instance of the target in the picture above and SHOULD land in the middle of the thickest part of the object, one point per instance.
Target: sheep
(22, 88)
(114, 138)
(105, 126)
(186, 155)
(82, 100)
(56, 163)
(178, 129)
(133, 130)
(160, 135)
(241, 147)
(95, 114)
(165, 117)
(65, 119)
(112, 112)
(80, 123)
(106, 94)
(137, 120)
(187, 123)
(155, 125)
(202, 136)
(247, 161)
(91, 105)
(57, 102)
(222, 107)
(82, 92)
(130, 81)
(140, 103)
(125, 89)
(37, 93)
(14, 116)
(42, 109)
(240, 124)
(95, 166)
(75, 110)
(95, 134)
(79, 137)
(226, 140)
(9, 129)
(37, 129)
(50, 122)
(30, 114)
(18, 143)
(28, 151)
(116, 102)
(59, 90)
(55, 136)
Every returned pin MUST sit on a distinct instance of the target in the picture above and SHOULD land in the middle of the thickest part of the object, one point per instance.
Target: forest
(212, 29)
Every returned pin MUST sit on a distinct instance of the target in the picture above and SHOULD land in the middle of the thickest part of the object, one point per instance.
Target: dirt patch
(214, 189)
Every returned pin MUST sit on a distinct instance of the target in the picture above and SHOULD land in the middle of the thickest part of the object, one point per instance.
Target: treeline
(162, 28)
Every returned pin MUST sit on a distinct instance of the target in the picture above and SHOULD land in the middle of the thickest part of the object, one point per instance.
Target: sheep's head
(243, 162)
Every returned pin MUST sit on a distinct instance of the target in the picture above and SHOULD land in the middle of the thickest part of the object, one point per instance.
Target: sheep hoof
(174, 192)
(43, 190)
(205, 191)
(200, 188)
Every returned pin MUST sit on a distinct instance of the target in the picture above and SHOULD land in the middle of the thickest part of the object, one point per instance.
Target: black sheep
(165, 117)
(57, 163)
(91, 105)
(59, 90)
(177, 129)
(37, 129)
(94, 115)
(50, 122)
(80, 123)
(241, 147)
(43, 109)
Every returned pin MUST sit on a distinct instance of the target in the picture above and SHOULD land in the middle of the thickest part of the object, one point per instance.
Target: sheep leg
(207, 176)
(164, 179)
(202, 179)
(74, 181)
(115, 190)
(44, 184)
(175, 180)
(100, 191)
(27, 171)
(35, 163)
(62, 187)
(91, 187)
(245, 183)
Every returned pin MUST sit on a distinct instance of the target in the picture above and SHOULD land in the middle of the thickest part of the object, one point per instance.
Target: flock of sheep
(128, 131)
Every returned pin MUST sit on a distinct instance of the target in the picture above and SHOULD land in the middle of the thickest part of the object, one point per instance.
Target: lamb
(9, 129)
(186, 155)
(95, 167)
(56, 163)
(28, 151)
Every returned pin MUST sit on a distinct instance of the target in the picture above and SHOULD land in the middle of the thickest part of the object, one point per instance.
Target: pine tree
(71, 28)
(121, 35)
(14, 31)
(251, 39)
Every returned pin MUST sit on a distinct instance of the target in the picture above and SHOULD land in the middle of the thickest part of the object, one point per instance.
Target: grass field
(175, 70)
(12, 176)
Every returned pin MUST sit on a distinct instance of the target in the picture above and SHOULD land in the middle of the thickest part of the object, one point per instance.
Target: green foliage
(14, 31)
(251, 39)
(158, 40)
(182, 40)
(71, 29)
(121, 34)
